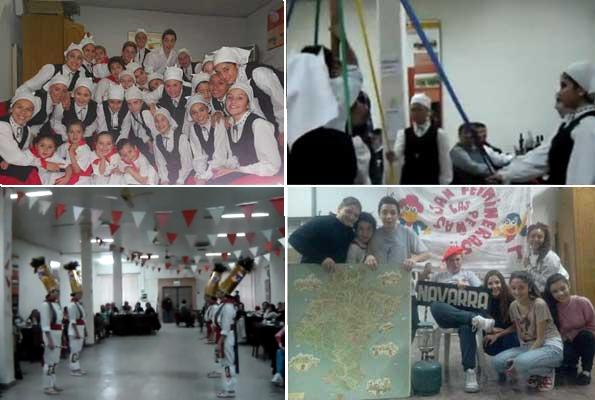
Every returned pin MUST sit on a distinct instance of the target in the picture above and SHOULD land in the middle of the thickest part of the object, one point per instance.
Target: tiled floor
(171, 365)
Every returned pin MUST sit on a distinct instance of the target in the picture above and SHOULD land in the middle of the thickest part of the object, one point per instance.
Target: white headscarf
(133, 66)
(84, 82)
(172, 122)
(57, 79)
(87, 40)
(246, 88)
(174, 73)
(232, 55)
(421, 99)
(25, 95)
(583, 73)
(127, 72)
(134, 93)
(196, 99)
(154, 76)
(73, 46)
(198, 78)
(115, 92)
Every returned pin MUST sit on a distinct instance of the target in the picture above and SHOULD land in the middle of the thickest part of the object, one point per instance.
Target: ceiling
(218, 8)
(63, 235)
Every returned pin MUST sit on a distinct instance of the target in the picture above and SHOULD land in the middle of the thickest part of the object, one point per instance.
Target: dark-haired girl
(364, 229)
(540, 350)
(542, 262)
(575, 318)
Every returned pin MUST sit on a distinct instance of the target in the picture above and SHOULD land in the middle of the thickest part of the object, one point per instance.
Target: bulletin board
(153, 40)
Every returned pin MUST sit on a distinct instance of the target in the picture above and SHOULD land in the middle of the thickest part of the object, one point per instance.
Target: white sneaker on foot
(76, 373)
(486, 324)
(50, 391)
(471, 385)
(277, 378)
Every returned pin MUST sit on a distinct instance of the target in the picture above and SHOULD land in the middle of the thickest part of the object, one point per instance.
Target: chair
(480, 354)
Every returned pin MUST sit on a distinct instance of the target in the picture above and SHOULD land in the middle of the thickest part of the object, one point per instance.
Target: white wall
(10, 32)
(6, 336)
(110, 27)
(257, 34)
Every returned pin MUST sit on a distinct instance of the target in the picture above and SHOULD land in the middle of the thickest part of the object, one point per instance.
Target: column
(87, 277)
(6, 339)
(117, 271)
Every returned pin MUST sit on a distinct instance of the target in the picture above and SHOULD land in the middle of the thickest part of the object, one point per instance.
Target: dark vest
(244, 149)
(264, 100)
(208, 146)
(189, 78)
(142, 122)
(70, 115)
(176, 112)
(115, 131)
(218, 105)
(88, 72)
(561, 150)
(59, 68)
(422, 164)
(172, 158)
(24, 137)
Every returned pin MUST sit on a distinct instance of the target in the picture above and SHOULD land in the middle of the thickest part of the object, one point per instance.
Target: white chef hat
(163, 111)
(208, 57)
(115, 92)
(87, 40)
(232, 55)
(421, 99)
(196, 99)
(140, 30)
(133, 66)
(185, 50)
(127, 72)
(174, 73)
(583, 73)
(73, 46)
(26, 95)
(85, 82)
(246, 88)
(134, 93)
(198, 78)
(154, 75)
(58, 79)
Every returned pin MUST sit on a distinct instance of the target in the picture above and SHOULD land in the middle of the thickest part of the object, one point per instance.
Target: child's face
(128, 153)
(419, 114)
(99, 54)
(45, 148)
(57, 92)
(115, 69)
(494, 285)
(217, 86)
(162, 123)
(75, 133)
(520, 289)
(229, 71)
(126, 81)
(236, 102)
(128, 54)
(154, 84)
(74, 59)
(208, 67)
(89, 52)
(82, 96)
(389, 215)
(561, 291)
(348, 215)
(141, 76)
(173, 88)
(536, 239)
(569, 94)
(135, 105)
(104, 145)
(199, 113)
(364, 231)
(183, 60)
(22, 111)
(114, 105)
(141, 40)
(203, 89)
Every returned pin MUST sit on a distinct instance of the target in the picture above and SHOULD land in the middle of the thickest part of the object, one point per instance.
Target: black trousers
(583, 347)
(414, 317)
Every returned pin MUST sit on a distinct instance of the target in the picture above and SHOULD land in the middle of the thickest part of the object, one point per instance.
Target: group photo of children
(538, 329)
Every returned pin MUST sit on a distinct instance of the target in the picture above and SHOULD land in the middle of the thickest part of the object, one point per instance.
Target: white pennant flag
(193, 268)
(212, 239)
(44, 206)
(152, 235)
(191, 238)
(198, 257)
(77, 212)
(257, 260)
(282, 241)
(216, 213)
(254, 250)
(210, 258)
(95, 214)
(138, 216)
(268, 256)
(32, 201)
(268, 233)
(237, 254)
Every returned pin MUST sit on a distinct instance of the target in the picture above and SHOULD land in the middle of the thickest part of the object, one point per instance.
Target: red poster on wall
(275, 28)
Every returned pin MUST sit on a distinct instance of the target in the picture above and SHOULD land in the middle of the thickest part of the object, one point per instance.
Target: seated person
(126, 308)
(495, 154)
(271, 313)
(149, 309)
(138, 309)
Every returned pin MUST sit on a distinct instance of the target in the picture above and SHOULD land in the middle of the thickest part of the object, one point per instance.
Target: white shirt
(108, 177)
(581, 167)
(79, 110)
(134, 121)
(84, 157)
(269, 83)
(101, 71)
(443, 150)
(9, 148)
(44, 75)
(158, 61)
(498, 159)
(144, 168)
(140, 57)
(363, 156)
(52, 118)
(102, 121)
(76, 311)
(48, 177)
(46, 317)
(227, 318)
(540, 271)
(355, 81)
(265, 144)
(185, 155)
(102, 90)
(221, 153)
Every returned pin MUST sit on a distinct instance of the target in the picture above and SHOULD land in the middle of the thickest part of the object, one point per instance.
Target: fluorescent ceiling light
(239, 234)
(106, 259)
(55, 264)
(146, 256)
(107, 240)
(212, 254)
(39, 193)
(14, 196)
(154, 256)
(241, 215)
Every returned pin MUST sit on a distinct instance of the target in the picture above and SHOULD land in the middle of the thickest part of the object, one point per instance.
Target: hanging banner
(95, 214)
(268, 233)
(59, 210)
(254, 250)
(152, 235)
(188, 216)
(138, 216)
(162, 217)
(113, 228)
(77, 212)
(237, 254)
(116, 217)
(216, 213)
(248, 209)
(171, 237)
(191, 238)
(32, 201)
(278, 203)
(250, 237)
(212, 238)
(469, 298)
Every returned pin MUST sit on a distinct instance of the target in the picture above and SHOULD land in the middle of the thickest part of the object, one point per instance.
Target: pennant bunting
(268, 246)
(168, 265)
(116, 217)
(282, 241)
(237, 254)
(186, 260)
(44, 206)
(188, 216)
(171, 237)
(212, 239)
(278, 203)
(193, 267)
(32, 201)
(113, 228)
(268, 233)
(248, 209)
(206, 267)
(138, 217)
(277, 251)
(268, 257)
(77, 212)
(282, 231)
(162, 217)
(191, 238)
(152, 235)
(224, 256)
(59, 210)
(232, 238)
(254, 251)
(216, 213)
(250, 237)
(95, 214)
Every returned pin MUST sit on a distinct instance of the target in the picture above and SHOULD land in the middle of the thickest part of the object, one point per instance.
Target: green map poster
(349, 332)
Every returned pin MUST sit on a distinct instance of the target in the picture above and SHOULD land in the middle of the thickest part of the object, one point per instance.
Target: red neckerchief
(81, 142)
(131, 163)
(108, 157)
(112, 78)
(35, 153)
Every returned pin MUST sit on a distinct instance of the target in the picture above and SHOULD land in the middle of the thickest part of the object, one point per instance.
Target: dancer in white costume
(76, 326)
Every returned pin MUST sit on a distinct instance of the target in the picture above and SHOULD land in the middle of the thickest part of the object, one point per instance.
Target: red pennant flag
(232, 238)
(167, 265)
(248, 209)
(116, 217)
(113, 228)
(268, 246)
(282, 231)
(188, 216)
(277, 251)
(250, 237)
(162, 218)
(171, 237)
(278, 204)
(224, 256)
(185, 259)
(20, 196)
(206, 267)
(59, 210)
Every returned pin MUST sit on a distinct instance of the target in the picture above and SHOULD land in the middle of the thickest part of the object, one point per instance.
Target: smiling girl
(78, 154)
(84, 110)
(541, 261)
(107, 161)
(44, 149)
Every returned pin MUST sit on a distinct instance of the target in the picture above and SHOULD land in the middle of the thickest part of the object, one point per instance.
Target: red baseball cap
(452, 251)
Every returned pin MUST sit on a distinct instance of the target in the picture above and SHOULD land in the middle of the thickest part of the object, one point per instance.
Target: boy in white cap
(166, 56)
(174, 94)
(52, 97)
(127, 79)
(140, 75)
(140, 38)
(136, 169)
(113, 118)
(187, 65)
(16, 166)
(70, 69)
(423, 148)
(200, 85)
(266, 82)
(83, 109)
(173, 155)
(567, 157)
(142, 130)
(88, 47)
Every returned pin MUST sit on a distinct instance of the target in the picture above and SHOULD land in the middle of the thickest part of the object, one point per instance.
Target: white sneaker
(50, 391)
(486, 324)
(277, 378)
(471, 385)
(76, 373)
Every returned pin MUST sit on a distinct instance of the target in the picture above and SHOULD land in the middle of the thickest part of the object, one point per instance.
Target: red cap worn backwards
(452, 251)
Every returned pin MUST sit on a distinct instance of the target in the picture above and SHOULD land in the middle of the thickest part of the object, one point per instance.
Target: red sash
(56, 327)
(80, 322)
(88, 172)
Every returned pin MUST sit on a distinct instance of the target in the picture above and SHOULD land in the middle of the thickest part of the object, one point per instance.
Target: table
(134, 324)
